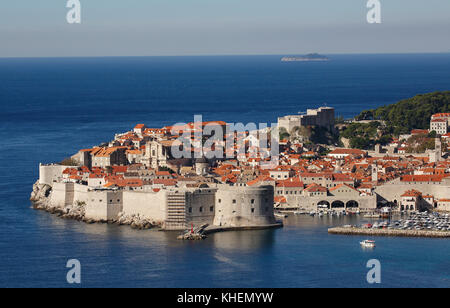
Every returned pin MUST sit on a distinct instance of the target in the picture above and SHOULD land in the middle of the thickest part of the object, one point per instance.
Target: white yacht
(368, 244)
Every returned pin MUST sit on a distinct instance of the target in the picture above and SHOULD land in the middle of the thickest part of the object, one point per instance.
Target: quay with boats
(416, 225)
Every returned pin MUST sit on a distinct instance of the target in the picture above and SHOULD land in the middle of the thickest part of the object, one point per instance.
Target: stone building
(411, 200)
(323, 117)
(443, 205)
(105, 157)
(440, 126)
(244, 206)
(440, 122)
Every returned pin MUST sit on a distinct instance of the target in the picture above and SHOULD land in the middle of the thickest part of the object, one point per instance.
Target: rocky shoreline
(387, 232)
(41, 195)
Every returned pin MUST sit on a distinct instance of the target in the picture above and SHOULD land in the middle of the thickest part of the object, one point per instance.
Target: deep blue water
(50, 108)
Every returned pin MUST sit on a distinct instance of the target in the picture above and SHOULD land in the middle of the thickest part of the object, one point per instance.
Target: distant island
(306, 58)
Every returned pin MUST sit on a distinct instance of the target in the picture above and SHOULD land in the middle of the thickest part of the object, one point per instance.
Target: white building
(440, 126)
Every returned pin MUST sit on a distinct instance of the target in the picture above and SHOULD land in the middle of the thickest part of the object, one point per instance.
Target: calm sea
(50, 108)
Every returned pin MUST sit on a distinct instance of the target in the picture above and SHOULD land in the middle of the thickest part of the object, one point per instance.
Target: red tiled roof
(348, 152)
(165, 182)
(412, 193)
(315, 188)
(279, 199)
(343, 185)
(419, 131)
(441, 115)
(422, 178)
(292, 182)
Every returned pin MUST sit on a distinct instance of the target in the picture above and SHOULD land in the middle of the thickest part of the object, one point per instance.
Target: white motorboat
(368, 244)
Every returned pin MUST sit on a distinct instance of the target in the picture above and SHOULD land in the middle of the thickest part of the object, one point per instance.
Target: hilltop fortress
(322, 117)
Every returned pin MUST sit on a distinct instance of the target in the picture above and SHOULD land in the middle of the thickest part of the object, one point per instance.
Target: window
(211, 209)
(234, 201)
(220, 200)
(253, 201)
(190, 210)
(253, 210)
(201, 209)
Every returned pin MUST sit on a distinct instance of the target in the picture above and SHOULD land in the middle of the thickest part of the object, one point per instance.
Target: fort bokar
(136, 179)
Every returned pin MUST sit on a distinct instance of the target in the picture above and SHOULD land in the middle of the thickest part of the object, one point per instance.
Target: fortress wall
(80, 193)
(104, 205)
(70, 193)
(244, 206)
(58, 196)
(200, 207)
(394, 191)
(147, 204)
(50, 173)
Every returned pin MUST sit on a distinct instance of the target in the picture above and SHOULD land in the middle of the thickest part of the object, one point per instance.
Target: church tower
(375, 173)
(436, 155)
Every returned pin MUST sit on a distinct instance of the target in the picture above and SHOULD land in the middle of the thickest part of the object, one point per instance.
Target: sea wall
(177, 208)
(150, 205)
(89, 207)
(48, 174)
(68, 193)
(388, 232)
(104, 205)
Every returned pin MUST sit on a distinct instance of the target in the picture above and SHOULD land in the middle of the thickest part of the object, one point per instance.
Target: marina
(415, 225)
(388, 232)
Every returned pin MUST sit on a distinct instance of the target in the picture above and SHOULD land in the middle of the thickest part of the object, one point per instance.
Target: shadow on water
(244, 240)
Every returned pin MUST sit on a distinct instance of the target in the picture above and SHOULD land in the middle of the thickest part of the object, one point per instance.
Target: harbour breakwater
(389, 232)
(41, 196)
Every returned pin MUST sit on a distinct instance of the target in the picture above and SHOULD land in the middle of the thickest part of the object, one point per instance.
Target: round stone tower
(243, 206)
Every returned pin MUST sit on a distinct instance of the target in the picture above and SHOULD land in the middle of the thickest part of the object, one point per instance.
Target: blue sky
(211, 27)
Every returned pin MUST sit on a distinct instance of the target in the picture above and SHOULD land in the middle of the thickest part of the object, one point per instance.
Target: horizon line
(224, 55)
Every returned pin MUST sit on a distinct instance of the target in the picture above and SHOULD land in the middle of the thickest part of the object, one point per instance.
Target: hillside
(410, 113)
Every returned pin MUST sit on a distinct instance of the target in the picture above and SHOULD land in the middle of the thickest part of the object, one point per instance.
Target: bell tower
(375, 173)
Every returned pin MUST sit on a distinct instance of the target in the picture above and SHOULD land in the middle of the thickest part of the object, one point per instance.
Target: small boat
(368, 244)
(373, 215)
(279, 215)
(386, 212)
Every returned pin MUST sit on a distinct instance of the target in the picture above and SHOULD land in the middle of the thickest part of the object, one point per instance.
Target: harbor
(388, 232)
(424, 224)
